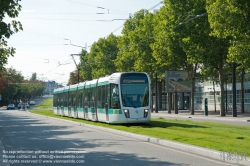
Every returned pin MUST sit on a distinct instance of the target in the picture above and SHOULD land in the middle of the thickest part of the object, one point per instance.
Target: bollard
(205, 109)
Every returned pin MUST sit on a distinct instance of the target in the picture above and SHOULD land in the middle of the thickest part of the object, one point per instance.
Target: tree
(183, 40)
(12, 9)
(230, 20)
(102, 54)
(73, 78)
(85, 66)
(135, 44)
(33, 77)
(13, 87)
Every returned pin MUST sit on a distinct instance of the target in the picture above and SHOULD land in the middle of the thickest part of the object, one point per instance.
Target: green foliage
(134, 45)
(99, 62)
(102, 54)
(12, 9)
(15, 88)
(230, 19)
(85, 66)
(33, 77)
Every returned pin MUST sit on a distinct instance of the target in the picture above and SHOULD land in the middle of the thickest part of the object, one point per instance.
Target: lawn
(221, 137)
(46, 104)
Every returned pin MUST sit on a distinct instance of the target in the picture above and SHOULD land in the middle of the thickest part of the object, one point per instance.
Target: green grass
(221, 137)
(46, 104)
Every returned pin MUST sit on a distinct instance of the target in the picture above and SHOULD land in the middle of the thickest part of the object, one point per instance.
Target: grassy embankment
(221, 137)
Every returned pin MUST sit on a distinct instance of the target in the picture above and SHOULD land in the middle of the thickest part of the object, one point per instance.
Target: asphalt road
(25, 137)
(40, 100)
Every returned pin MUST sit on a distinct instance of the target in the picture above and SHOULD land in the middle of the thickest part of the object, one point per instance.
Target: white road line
(75, 143)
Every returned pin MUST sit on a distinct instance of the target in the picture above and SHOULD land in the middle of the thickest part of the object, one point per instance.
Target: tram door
(107, 95)
(75, 107)
(106, 110)
(69, 106)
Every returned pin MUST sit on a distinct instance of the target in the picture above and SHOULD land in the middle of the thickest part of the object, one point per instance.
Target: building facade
(50, 86)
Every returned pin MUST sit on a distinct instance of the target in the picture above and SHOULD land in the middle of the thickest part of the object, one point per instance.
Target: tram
(118, 98)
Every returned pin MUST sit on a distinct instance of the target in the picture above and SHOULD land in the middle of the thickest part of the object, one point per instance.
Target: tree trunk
(151, 104)
(160, 95)
(192, 89)
(192, 96)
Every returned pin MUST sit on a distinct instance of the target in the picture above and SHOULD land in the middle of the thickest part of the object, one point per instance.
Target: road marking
(75, 143)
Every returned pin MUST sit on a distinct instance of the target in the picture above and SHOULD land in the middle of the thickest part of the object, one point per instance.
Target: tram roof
(73, 87)
(92, 83)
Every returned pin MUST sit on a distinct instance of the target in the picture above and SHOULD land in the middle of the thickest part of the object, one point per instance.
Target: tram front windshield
(134, 90)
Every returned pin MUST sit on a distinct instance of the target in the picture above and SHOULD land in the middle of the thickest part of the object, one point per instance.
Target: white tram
(118, 98)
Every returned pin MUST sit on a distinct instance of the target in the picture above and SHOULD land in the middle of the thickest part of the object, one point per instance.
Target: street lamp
(226, 88)
(8, 90)
(234, 65)
(156, 94)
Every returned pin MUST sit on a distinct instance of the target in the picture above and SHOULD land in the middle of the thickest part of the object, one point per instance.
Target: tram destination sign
(133, 81)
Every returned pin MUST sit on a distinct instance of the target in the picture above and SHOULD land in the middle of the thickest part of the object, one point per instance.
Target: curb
(208, 153)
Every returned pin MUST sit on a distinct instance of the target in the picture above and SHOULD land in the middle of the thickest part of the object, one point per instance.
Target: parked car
(32, 102)
(10, 107)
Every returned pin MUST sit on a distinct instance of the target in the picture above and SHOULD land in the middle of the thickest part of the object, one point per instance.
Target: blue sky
(49, 26)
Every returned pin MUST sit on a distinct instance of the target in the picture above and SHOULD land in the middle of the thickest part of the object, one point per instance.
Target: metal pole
(226, 93)
(176, 102)
(234, 90)
(156, 99)
(8, 91)
(78, 70)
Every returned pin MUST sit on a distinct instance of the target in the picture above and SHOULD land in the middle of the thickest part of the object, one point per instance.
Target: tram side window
(114, 94)
(55, 101)
(87, 97)
(99, 96)
(80, 99)
(70, 99)
(108, 95)
(104, 96)
(92, 99)
(59, 101)
(66, 100)
(61, 97)
(74, 101)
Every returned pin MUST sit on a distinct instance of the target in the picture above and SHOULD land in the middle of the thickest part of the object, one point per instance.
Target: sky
(55, 29)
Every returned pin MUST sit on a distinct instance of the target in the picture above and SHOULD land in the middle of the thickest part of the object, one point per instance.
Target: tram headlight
(126, 112)
(145, 113)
